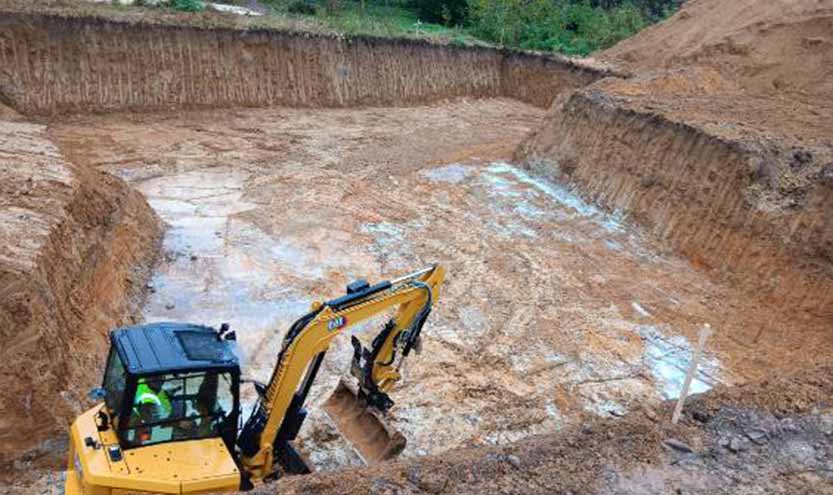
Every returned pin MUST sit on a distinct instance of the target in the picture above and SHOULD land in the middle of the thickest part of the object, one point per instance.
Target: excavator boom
(168, 411)
(266, 436)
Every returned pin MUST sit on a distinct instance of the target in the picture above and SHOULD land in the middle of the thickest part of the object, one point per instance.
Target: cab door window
(114, 383)
(179, 406)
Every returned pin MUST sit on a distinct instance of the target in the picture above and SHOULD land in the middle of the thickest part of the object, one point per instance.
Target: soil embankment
(60, 63)
(74, 244)
(558, 313)
(720, 144)
(775, 437)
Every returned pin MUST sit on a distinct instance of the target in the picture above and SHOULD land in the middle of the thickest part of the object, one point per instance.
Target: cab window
(114, 382)
(179, 407)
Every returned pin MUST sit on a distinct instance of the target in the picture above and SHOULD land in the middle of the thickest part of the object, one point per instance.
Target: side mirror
(97, 394)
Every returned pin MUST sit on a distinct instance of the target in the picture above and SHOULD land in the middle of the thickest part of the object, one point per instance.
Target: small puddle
(219, 266)
(669, 358)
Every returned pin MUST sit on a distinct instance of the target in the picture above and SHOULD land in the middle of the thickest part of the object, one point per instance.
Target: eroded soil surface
(774, 437)
(553, 310)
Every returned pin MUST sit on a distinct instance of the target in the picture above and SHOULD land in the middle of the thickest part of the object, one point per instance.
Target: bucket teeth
(364, 426)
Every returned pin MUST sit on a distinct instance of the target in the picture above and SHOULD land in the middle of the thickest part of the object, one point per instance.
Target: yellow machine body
(191, 466)
(210, 465)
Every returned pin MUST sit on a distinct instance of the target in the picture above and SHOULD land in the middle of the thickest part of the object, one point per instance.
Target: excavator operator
(151, 402)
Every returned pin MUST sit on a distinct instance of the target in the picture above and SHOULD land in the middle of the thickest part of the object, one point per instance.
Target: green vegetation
(551, 25)
(375, 18)
(571, 27)
(446, 12)
(185, 5)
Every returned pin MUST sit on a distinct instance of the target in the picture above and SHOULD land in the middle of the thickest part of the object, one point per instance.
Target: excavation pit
(554, 310)
(591, 221)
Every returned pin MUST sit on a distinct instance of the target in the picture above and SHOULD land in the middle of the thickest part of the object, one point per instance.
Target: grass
(353, 18)
(391, 19)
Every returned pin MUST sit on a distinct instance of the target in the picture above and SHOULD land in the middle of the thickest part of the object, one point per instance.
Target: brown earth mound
(74, 244)
(765, 47)
(728, 116)
(773, 437)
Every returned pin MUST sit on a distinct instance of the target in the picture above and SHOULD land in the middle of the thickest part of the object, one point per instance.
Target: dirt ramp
(73, 243)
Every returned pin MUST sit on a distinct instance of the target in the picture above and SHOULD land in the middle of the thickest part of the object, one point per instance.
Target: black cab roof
(166, 346)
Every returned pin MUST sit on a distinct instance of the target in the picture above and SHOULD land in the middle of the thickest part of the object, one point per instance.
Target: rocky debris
(678, 445)
(623, 456)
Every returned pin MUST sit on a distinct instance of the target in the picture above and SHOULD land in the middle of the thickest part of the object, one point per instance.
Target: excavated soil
(555, 311)
(585, 244)
(75, 248)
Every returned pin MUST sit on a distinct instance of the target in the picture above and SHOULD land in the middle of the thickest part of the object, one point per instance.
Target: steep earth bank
(720, 144)
(75, 245)
(753, 210)
(56, 63)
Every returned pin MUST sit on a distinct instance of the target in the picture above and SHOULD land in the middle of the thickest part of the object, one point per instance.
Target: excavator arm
(279, 414)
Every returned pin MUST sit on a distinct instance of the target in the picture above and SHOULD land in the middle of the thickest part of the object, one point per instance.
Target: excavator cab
(164, 383)
(171, 381)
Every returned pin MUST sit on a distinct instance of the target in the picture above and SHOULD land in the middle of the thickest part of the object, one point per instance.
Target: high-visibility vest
(146, 395)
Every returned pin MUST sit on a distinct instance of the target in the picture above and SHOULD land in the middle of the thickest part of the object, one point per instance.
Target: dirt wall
(53, 64)
(752, 211)
(75, 245)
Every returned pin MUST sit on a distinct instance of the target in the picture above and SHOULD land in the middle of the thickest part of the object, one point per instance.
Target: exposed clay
(58, 64)
(75, 245)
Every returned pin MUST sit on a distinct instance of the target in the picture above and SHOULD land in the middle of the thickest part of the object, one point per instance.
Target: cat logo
(336, 323)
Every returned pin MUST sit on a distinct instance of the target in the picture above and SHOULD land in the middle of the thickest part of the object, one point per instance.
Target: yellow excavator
(171, 421)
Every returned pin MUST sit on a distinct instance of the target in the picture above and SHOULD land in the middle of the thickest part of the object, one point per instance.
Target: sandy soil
(553, 311)
(774, 438)
(75, 247)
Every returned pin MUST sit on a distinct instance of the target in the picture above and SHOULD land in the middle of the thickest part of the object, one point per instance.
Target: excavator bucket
(362, 425)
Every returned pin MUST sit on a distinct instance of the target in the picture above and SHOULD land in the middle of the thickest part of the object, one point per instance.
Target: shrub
(446, 12)
(187, 5)
(570, 27)
(301, 7)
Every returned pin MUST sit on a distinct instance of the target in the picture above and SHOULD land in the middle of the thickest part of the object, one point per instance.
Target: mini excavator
(170, 419)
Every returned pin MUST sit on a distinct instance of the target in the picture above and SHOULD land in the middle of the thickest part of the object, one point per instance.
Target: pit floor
(553, 309)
